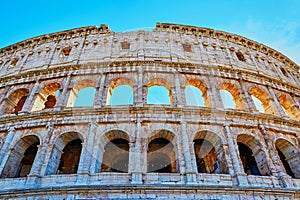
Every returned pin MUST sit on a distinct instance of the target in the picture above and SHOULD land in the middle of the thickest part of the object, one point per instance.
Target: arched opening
(65, 154)
(116, 152)
(82, 94)
(21, 158)
(15, 101)
(253, 158)
(193, 96)
(289, 107)
(196, 93)
(85, 97)
(258, 104)
(289, 156)
(159, 92)
(248, 160)
(264, 100)
(227, 99)
(209, 153)
(206, 157)
(161, 157)
(47, 97)
(231, 96)
(120, 92)
(69, 160)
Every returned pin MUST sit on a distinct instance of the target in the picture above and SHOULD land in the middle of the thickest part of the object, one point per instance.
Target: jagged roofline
(198, 31)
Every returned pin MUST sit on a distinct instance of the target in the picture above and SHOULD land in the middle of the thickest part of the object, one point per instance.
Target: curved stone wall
(51, 148)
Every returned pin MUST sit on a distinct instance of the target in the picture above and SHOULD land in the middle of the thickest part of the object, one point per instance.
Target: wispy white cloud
(279, 35)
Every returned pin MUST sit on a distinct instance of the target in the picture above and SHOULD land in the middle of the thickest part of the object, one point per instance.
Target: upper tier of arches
(123, 90)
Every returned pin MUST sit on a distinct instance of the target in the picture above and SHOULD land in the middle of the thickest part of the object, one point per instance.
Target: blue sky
(272, 22)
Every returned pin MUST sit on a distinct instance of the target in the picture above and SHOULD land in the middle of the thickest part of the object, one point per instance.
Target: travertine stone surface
(41, 131)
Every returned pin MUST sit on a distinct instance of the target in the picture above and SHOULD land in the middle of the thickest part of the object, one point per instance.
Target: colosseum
(225, 124)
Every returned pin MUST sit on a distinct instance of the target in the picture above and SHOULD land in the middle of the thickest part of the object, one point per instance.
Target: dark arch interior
(20, 104)
(27, 161)
(70, 158)
(206, 157)
(249, 162)
(285, 164)
(160, 151)
(116, 156)
(159, 163)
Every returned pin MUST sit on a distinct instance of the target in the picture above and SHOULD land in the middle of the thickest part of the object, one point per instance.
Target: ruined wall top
(168, 43)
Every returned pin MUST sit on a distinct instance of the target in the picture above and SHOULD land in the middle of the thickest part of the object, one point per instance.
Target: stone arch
(21, 157)
(289, 156)
(115, 148)
(289, 107)
(161, 153)
(47, 97)
(264, 98)
(202, 87)
(235, 92)
(159, 82)
(115, 84)
(252, 156)
(15, 101)
(79, 86)
(209, 153)
(62, 159)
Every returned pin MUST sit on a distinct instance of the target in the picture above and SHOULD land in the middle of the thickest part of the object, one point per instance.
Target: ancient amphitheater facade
(53, 149)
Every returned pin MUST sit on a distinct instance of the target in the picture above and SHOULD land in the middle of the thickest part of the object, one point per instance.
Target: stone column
(3, 99)
(138, 90)
(276, 167)
(48, 148)
(63, 96)
(189, 171)
(214, 94)
(5, 148)
(135, 156)
(241, 176)
(86, 155)
(249, 103)
(178, 94)
(228, 159)
(31, 98)
(276, 103)
(99, 95)
(33, 179)
(38, 161)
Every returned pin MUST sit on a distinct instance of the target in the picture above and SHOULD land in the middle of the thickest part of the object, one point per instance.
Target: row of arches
(159, 91)
(161, 154)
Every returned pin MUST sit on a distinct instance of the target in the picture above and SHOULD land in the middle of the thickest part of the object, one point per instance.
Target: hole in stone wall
(125, 45)
(240, 56)
(66, 51)
(187, 47)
